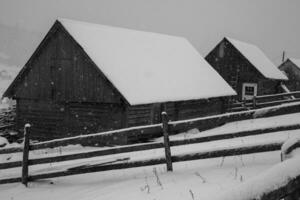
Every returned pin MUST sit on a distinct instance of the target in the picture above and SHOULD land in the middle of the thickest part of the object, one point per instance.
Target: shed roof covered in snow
(258, 59)
(148, 67)
(295, 61)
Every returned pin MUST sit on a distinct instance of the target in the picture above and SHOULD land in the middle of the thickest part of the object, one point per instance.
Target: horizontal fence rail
(175, 126)
(148, 146)
(265, 101)
(165, 129)
(288, 94)
(155, 161)
(11, 150)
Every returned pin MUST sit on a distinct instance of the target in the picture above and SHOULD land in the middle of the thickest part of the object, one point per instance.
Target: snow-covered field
(201, 179)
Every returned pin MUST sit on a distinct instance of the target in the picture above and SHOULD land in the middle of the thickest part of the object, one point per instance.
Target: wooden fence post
(244, 102)
(25, 155)
(165, 125)
(254, 101)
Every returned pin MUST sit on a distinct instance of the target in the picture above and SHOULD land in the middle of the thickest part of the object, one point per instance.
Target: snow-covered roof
(258, 59)
(148, 67)
(295, 61)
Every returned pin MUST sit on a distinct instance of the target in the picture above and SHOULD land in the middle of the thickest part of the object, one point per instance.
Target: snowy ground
(202, 179)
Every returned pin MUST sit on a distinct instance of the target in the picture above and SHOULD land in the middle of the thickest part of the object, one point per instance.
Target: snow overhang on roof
(258, 59)
(148, 67)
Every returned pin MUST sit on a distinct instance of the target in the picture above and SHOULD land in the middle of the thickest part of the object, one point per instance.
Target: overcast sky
(273, 25)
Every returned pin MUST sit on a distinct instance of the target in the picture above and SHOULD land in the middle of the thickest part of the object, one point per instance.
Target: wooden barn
(246, 68)
(86, 78)
(291, 67)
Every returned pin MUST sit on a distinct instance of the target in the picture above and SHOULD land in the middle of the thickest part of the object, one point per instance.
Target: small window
(249, 90)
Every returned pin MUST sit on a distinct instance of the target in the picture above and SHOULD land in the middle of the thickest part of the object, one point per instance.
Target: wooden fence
(165, 128)
(176, 126)
(265, 101)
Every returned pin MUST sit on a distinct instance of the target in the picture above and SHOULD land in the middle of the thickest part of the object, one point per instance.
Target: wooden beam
(25, 155)
(228, 152)
(155, 161)
(139, 130)
(11, 150)
(90, 154)
(147, 146)
(167, 141)
(233, 135)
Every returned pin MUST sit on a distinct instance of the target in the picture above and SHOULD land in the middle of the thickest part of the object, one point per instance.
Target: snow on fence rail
(175, 127)
(168, 159)
(166, 128)
(266, 100)
(147, 146)
(288, 94)
(161, 160)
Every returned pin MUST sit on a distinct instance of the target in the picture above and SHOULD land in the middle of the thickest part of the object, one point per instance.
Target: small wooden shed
(246, 68)
(291, 67)
(86, 78)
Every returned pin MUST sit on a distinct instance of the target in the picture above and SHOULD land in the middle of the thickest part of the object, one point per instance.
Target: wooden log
(167, 141)
(87, 166)
(268, 98)
(124, 165)
(25, 155)
(10, 164)
(277, 95)
(147, 146)
(177, 158)
(244, 102)
(176, 126)
(274, 103)
(156, 161)
(228, 152)
(90, 154)
(254, 102)
(10, 180)
(292, 147)
(134, 131)
(184, 125)
(11, 150)
(233, 135)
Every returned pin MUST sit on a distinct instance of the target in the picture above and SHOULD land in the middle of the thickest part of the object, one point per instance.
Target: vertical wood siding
(61, 72)
(64, 94)
(228, 62)
(293, 73)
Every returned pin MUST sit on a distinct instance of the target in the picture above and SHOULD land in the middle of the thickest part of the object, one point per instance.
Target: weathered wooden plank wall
(229, 62)
(61, 72)
(293, 73)
(63, 94)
